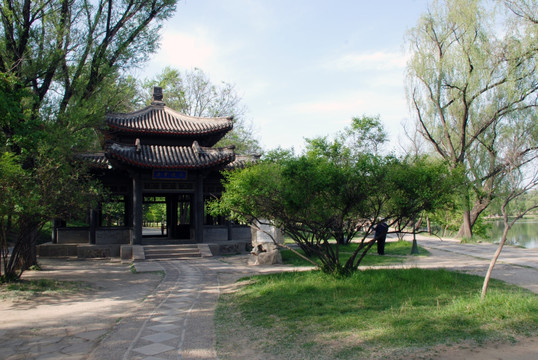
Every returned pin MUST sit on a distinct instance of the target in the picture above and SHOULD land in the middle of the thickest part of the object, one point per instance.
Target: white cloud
(328, 107)
(331, 115)
(187, 51)
(379, 60)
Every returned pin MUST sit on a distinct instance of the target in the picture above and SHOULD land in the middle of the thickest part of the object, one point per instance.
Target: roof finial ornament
(157, 95)
(138, 145)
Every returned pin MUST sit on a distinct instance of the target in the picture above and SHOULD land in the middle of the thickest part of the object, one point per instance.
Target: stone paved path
(176, 320)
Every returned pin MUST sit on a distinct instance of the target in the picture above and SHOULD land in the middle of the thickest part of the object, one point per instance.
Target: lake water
(523, 233)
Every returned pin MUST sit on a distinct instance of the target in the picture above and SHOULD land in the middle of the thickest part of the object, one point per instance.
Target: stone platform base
(230, 247)
(135, 252)
(83, 251)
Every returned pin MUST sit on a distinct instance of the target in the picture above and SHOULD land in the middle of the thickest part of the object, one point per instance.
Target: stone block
(126, 252)
(266, 258)
(230, 247)
(138, 253)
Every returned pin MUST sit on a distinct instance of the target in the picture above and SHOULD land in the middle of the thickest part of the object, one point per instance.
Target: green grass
(395, 253)
(311, 315)
(25, 289)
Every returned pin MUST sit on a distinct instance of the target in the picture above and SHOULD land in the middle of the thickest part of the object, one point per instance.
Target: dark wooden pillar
(137, 209)
(93, 225)
(171, 215)
(54, 235)
(198, 207)
(128, 207)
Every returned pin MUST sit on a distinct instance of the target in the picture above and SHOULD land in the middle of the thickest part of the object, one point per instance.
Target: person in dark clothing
(381, 235)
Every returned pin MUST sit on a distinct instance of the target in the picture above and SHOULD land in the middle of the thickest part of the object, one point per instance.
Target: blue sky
(303, 68)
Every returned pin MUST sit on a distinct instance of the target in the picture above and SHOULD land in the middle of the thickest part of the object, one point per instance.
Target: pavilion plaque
(169, 175)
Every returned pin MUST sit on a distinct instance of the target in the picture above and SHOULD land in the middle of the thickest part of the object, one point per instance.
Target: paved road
(515, 265)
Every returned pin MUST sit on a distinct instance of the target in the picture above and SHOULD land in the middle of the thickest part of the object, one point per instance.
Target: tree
(365, 134)
(314, 199)
(193, 93)
(519, 183)
(466, 82)
(64, 60)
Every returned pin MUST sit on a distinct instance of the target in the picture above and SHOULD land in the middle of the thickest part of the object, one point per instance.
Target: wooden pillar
(128, 211)
(198, 207)
(137, 209)
(171, 215)
(229, 227)
(93, 225)
(54, 235)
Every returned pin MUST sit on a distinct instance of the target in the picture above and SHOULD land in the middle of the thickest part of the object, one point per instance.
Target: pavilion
(159, 156)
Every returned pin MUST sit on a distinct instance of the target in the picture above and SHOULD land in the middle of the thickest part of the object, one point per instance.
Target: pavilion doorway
(154, 210)
(168, 216)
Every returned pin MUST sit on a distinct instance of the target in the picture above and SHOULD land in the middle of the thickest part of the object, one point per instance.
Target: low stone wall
(103, 236)
(57, 250)
(220, 233)
(113, 235)
(242, 233)
(79, 235)
(215, 233)
(85, 251)
(97, 251)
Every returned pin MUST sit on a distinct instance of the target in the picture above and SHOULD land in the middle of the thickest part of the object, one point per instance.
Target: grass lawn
(25, 289)
(380, 313)
(395, 253)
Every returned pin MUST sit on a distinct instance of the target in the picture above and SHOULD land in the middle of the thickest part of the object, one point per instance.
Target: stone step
(171, 251)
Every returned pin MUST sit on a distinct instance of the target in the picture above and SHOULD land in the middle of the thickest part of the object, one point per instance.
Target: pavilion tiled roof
(242, 161)
(97, 160)
(170, 157)
(158, 119)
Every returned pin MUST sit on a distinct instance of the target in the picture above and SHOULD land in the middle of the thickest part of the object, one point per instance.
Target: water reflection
(523, 233)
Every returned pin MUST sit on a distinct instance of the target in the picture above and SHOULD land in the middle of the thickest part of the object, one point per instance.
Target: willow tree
(471, 74)
(64, 60)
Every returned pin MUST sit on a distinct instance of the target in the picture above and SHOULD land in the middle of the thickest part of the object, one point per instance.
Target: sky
(303, 68)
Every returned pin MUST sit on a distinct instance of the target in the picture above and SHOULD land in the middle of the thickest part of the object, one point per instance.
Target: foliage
(365, 135)
(193, 93)
(472, 86)
(314, 199)
(372, 314)
(60, 62)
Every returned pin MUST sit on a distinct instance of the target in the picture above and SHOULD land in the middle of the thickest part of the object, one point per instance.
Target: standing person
(381, 235)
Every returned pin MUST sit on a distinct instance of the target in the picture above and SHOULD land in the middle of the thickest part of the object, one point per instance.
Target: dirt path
(71, 326)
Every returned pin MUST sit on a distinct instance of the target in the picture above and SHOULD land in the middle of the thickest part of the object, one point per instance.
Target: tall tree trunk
(24, 253)
(469, 219)
(466, 229)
